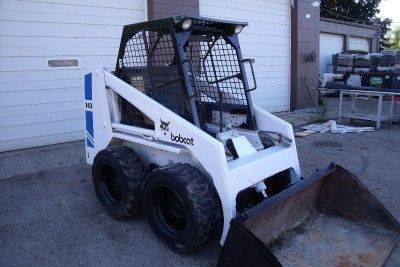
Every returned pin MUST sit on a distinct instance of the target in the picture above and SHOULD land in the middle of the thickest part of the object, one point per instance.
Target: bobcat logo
(164, 126)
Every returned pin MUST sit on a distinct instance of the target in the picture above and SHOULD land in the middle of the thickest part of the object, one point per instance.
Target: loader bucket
(328, 219)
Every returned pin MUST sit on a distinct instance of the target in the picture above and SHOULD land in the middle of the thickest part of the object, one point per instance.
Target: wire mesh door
(216, 77)
(150, 65)
(169, 68)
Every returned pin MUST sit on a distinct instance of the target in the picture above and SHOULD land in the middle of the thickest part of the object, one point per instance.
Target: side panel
(88, 111)
(268, 122)
(97, 115)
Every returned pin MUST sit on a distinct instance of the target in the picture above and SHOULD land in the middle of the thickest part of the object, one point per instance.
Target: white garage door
(266, 39)
(329, 44)
(42, 105)
(358, 44)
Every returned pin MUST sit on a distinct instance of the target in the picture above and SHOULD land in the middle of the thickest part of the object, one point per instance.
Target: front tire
(118, 175)
(182, 206)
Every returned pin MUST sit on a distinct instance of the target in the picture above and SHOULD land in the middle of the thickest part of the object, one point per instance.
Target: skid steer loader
(173, 131)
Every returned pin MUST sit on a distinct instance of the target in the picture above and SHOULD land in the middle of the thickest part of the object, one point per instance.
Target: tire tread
(204, 199)
(135, 174)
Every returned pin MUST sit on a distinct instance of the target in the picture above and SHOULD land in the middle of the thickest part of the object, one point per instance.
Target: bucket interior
(329, 219)
(324, 240)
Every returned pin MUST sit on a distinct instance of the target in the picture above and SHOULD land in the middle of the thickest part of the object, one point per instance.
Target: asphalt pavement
(49, 215)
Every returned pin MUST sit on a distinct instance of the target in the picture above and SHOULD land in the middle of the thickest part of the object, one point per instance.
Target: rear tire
(182, 206)
(118, 175)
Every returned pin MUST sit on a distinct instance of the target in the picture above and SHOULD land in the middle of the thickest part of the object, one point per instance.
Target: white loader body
(175, 139)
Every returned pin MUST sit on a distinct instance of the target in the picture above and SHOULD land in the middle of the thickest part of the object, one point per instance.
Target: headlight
(238, 29)
(186, 24)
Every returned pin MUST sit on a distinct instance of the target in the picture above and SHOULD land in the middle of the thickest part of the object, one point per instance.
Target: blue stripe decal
(88, 86)
(89, 143)
(89, 128)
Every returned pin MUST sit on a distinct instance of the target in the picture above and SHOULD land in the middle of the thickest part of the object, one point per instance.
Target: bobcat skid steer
(173, 132)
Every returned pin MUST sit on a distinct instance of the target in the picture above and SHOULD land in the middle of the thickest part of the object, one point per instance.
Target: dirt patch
(345, 261)
(324, 240)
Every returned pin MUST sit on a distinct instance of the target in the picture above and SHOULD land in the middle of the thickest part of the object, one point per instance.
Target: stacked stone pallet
(389, 61)
(361, 63)
(342, 63)
(374, 59)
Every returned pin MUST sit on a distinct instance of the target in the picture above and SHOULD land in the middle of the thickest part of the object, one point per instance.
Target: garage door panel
(266, 6)
(41, 118)
(273, 83)
(66, 8)
(122, 4)
(242, 15)
(329, 44)
(37, 130)
(44, 105)
(271, 30)
(21, 28)
(42, 140)
(40, 63)
(42, 41)
(272, 61)
(259, 7)
(265, 55)
(258, 38)
(272, 104)
(34, 109)
(277, 94)
(41, 75)
(267, 40)
(265, 16)
(358, 44)
(40, 96)
(239, 16)
(19, 86)
(58, 51)
(44, 17)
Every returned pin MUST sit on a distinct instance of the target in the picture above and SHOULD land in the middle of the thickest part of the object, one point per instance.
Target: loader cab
(193, 66)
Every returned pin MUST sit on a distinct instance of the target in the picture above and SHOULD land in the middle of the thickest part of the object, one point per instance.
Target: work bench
(378, 117)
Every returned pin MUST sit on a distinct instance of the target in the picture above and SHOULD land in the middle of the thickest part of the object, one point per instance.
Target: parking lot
(49, 214)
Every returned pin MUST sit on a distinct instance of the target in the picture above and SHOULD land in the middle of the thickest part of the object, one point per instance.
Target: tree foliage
(358, 11)
(395, 42)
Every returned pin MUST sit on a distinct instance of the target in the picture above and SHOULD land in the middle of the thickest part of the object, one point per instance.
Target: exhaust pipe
(328, 219)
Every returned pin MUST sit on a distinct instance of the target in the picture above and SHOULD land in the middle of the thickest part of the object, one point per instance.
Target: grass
(320, 116)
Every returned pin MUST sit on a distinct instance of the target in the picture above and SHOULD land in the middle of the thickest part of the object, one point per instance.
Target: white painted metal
(41, 105)
(261, 187)
(146, 133)
(359, 44)
(242, 146)
(266, 39)
(329, 44)
(204, 151)
(149, 143)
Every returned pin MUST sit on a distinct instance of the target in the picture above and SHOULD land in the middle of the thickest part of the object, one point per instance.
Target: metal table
(378, 117)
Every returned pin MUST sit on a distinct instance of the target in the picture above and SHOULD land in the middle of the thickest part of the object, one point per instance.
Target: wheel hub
(171, 210)
(112, 185)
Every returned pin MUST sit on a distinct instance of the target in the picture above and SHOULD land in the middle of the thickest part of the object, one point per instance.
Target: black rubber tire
(198, 198)
(118, 175)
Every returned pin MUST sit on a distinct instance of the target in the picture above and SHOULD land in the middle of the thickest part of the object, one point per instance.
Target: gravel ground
(50, 216)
